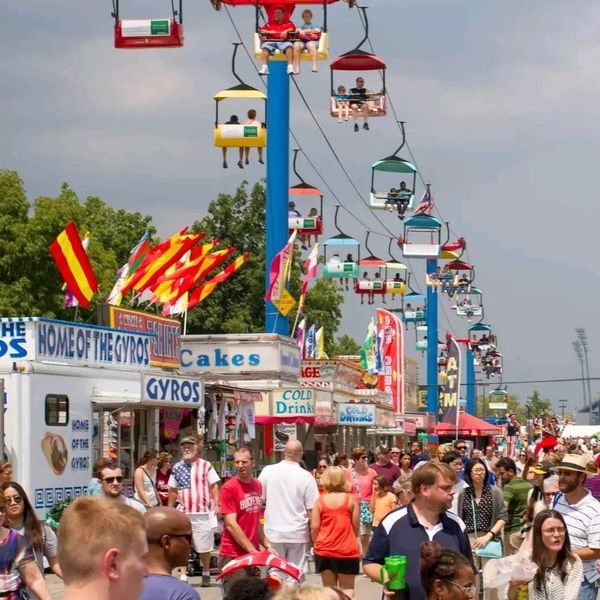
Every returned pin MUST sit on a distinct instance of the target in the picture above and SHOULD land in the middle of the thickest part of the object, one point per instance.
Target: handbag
(366, 516)
(493, 549)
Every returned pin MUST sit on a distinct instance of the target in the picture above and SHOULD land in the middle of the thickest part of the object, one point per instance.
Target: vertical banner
(450, 391)
(391, 346)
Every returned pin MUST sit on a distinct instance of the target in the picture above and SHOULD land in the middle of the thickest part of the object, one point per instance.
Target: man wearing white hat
(581, 512)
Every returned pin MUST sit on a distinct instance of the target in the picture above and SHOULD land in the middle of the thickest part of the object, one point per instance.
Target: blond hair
(103, 524)
(428, 475)
(334, 480)
(306, 592)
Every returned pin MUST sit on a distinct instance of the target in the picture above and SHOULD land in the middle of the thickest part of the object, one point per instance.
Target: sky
(502, 112)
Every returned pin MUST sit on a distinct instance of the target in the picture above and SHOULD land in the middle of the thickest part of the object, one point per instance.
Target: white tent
(578, 431)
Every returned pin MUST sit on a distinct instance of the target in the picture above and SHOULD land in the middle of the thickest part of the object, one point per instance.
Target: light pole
(579, 353)
(562, 403)
(582, 339)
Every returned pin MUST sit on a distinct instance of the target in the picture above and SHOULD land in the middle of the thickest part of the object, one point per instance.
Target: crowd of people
(451, 517)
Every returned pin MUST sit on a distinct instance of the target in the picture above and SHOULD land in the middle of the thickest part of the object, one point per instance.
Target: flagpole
(76, 313)
(275, 322)
(296, 321)
(185, 321)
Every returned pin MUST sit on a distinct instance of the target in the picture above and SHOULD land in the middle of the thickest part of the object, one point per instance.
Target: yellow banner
(285, 304)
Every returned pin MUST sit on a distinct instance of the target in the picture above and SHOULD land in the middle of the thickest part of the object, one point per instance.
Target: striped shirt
(192, 482)
(583, 525)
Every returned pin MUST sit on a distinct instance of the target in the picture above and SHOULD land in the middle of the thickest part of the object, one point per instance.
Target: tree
(30, 283)
(237, 306)
(345, 346)
(537, 405)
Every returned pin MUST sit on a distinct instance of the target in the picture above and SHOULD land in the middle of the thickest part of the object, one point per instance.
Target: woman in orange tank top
(334, 526)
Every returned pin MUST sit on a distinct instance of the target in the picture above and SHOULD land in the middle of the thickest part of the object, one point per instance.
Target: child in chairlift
(342, 103)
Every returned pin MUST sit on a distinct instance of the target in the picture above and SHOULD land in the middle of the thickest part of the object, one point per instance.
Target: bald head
(164, 520)
(292, 451)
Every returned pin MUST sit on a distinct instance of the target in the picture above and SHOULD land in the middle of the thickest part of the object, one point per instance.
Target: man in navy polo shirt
(402, 531)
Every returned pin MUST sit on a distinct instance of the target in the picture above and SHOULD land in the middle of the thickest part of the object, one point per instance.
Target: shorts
(345, 566)
(272, 46)
(204, 526)
(308, 44)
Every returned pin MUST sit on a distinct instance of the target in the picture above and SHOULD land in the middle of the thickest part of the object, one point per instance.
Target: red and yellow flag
(74, 265)
(160, 258)
(208, 287)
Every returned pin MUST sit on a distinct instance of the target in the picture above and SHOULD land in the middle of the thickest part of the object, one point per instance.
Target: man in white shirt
(290, 494)
(581, 512)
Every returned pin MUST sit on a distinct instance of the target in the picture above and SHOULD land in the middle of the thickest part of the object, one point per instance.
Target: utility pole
(562, 403)
(582, 339)
(579, 352)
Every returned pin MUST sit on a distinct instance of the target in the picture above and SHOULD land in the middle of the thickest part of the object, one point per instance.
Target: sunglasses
(186, 536)
(13, 499)
(322, 467)
(461, 447)
(118, 479)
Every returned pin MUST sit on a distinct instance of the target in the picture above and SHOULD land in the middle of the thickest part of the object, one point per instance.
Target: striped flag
(74, 265)
(139, 253)
(300, 335)
(280, 270)
(70, 299)
(310, 265)
(425, 206)
(193, 487)
(115, 297)
(368, 350)
(208, 287)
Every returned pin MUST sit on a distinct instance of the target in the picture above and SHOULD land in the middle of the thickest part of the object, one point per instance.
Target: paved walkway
(365, 589)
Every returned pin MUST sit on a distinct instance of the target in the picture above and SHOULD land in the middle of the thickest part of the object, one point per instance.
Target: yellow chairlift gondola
(236, 134)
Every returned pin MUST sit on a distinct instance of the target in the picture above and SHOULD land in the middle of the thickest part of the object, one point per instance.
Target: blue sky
(501, 104)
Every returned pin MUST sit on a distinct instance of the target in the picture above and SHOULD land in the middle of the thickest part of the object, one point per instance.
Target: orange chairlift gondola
(395, 285)
(336, 267)
(312, 224)
(399, 198)
(371, 285)
(166, 32)
(364, 103)
(252, 134)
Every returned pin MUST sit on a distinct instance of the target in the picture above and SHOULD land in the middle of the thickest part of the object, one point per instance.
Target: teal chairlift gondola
(404, 196)
(413, 306)
(469, 304)
(335, 266)
(395, 285)
(481, 338)
(422, 237)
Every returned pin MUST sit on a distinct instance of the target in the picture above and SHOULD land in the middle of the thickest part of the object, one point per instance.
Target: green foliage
(345, 345)
(238, 305)
(54, 515)
(536, 405)
(30, 283)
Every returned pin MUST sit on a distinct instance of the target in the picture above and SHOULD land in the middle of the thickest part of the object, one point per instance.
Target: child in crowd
(382, 500)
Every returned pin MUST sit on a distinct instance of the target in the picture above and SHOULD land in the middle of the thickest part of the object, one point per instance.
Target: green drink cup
(393, 575)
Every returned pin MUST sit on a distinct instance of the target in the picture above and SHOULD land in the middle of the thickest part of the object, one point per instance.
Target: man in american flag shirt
(194, 489)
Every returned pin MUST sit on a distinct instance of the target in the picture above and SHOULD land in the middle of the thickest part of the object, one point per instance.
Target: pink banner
(391, 380)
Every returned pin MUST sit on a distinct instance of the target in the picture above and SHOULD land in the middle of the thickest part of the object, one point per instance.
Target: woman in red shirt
(163, 472)
(334, 525)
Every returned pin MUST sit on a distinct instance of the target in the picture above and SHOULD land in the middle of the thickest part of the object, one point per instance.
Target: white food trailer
(75, 392)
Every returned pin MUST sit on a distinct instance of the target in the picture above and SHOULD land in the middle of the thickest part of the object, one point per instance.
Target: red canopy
(468, 426)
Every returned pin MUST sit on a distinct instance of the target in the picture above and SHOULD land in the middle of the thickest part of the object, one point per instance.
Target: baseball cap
(189, 439)
(542, 468)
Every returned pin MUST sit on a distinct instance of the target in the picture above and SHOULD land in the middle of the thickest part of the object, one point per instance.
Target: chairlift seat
(363, 286)
(420, 250)
(322, 48)
(395, 287)
(148, 33)
(305, 225)
(240, 136)
(379, 201)
(375, 107)
(414, 316)
(339, 270)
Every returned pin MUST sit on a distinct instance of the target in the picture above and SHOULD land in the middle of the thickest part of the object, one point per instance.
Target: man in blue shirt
(417, 455)
(402, 531)
(169, 534)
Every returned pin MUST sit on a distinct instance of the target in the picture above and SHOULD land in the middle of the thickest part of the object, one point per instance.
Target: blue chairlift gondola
(336, 267)
(422, 237)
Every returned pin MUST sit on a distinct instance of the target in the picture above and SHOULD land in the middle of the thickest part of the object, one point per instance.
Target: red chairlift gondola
(149, 33)
(369, 104)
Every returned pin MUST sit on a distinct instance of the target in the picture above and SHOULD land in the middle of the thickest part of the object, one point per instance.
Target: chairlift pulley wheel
(216, 4)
